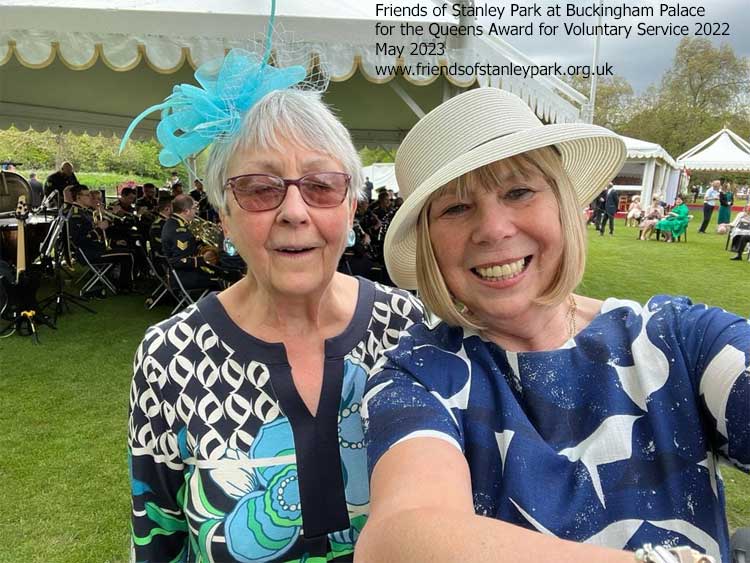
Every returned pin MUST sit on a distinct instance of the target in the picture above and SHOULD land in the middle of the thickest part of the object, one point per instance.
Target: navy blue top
(613, 439)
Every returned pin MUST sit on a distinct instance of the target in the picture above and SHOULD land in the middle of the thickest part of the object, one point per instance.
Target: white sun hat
(472, 130)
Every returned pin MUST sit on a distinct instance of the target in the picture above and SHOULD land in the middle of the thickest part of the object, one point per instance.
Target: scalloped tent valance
(89, 65)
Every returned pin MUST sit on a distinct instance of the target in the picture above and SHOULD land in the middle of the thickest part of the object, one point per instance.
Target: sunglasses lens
(258, 192)
(324, 189)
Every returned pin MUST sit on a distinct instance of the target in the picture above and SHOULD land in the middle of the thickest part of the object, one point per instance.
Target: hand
(103, 225)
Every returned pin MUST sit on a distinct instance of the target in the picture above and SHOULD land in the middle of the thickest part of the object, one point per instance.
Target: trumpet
(99, 217)
(107, 215)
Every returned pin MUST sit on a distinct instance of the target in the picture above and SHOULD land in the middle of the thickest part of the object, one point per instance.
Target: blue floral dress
(612, 439)
(226, 462)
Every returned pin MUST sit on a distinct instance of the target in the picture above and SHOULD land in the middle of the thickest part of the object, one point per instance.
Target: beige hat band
(471, 128)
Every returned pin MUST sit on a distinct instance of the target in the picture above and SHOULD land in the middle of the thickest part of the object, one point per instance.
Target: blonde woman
(529, 407)
(634, 212)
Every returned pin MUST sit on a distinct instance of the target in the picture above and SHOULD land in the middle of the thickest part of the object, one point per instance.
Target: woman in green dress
(726, 199)
(675, 223)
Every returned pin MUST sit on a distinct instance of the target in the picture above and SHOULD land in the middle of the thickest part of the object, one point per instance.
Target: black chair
(160, 272)
(183, 295)
(94, 275)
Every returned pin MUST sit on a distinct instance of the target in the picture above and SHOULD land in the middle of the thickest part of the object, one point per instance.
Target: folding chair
(182, 294)
(95, 275)
(160, 270)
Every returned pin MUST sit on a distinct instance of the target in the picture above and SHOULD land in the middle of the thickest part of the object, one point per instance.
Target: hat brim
(591, 156)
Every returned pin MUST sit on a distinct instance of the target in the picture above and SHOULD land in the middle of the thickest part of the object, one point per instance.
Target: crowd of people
(669, 221)
(143, 233)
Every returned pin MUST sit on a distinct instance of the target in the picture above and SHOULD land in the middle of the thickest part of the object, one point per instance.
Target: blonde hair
(545, 161)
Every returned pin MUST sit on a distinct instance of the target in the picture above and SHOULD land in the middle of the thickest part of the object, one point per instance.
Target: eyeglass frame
(229, 185)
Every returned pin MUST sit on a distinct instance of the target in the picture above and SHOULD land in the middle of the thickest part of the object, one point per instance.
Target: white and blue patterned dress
(613, 439)
(227, 463)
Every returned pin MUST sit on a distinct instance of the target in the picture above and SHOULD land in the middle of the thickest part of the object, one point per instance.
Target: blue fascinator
(194, 117)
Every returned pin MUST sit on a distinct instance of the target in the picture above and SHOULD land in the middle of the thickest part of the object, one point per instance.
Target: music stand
(51, 256)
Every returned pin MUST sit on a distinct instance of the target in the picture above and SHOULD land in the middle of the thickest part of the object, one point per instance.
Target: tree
(704, 78)
(703, 91)
(378, 154)
(614, 99)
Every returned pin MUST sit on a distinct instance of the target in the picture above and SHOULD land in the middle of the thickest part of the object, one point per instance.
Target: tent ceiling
(105, 101)
(117, 57)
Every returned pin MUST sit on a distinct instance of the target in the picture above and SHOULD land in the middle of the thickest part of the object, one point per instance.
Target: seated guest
(164, 210)
(89, 237)
(634, 212)
(676, 221)
(651, 217)
(740, 234)
(181, 248)
(528, 422)
(58, 181)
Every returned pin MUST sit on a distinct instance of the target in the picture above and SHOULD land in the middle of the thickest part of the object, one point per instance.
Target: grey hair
(297, 115)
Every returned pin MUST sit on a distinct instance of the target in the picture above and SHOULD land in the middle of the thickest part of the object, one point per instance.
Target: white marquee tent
(382, 175)
(653, 166)
(91, 65)
(724, 151)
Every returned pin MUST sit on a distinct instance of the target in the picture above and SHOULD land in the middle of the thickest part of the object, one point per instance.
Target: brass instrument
(98, 218)
(205, 231)
(210, 234)
(107, 215)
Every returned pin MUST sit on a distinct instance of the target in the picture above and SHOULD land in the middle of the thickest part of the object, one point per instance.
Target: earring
(229, 247)
(351, 238)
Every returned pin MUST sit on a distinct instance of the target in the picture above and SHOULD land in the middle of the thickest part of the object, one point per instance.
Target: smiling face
(295, 248)
(497, 239)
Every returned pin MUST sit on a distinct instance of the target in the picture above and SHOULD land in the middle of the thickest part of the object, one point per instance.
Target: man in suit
(611, 202)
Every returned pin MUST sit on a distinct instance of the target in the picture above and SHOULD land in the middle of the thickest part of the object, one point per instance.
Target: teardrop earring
(229, 247)
(351, 238)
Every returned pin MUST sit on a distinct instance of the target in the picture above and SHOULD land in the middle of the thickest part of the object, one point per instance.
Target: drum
(36, 229)
(12, 185)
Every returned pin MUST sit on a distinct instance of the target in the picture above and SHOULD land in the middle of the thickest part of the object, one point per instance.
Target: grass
(63, 405)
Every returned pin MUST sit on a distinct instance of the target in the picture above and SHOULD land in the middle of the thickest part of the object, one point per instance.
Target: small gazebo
(724, 151)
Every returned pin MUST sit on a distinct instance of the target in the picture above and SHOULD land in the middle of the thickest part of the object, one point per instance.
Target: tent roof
(116, 57)
(722, 151)
(638, 148)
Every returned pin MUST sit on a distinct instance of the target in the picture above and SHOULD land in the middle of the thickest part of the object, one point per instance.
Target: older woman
(652, 216)
(245, 435)
(589, 421)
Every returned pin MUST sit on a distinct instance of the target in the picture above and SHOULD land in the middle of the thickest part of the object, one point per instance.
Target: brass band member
(181, 248)
(149, 199)
(88, 237)
(164, 210)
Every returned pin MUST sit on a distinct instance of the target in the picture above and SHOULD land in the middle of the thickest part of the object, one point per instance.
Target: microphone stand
(52, 254)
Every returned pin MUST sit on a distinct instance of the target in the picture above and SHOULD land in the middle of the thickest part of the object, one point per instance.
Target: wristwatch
(680, 554)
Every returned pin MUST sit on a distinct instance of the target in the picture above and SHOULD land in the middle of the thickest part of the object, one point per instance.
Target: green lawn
(63, 405)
